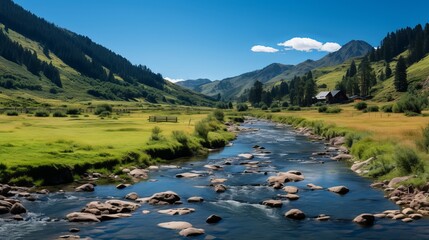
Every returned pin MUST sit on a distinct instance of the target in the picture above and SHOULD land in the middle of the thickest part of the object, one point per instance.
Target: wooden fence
(162, 119)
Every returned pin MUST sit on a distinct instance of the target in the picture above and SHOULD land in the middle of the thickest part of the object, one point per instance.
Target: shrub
(41, 113)
(239, 119)
(323, 109)
(73, 111)
(275, 110)
(387, 108)
(202, 129)
(361, 105)
(407, 161)
(219, 115)
(216, 140)
(156, 134)
(22, 181)
(423, 143)
(323, 85)
(12, 113)
(181, 137)
(264, 107)
(104, 114)
(294, 108)
(103, 108)
(410, 103)
(241, 107)
(333, 110)
(285, 104)
(59, 114)
(372, 109)
(274, 105)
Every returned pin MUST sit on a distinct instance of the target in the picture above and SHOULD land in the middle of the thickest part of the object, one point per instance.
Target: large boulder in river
(138, 173)
(175, 225)
(339, 189)
(132, 196)
(81, 217)
(365, 219)
(283, 177)
(246, 155)
(220, 188)
(161, 198)
(191, 232)
(213, 219)
(88, 187)
(295, 214)
(18, 208)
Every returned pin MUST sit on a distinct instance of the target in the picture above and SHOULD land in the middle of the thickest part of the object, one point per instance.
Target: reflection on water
(243, 215)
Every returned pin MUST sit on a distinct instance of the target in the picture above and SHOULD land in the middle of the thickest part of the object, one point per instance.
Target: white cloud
(330, 47)
(265, 49)
(308, 45)
(173, 80)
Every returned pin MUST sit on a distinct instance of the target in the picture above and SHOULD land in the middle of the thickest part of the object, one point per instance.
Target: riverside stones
(220, 188)
(283, 177)
(397, 180)
(295, 214)
(132, 196)
(339, 189)
(81, 217)
(365, 219)
(177, 211)
(18, 208)
(138, 173)
(246, 155)
(161, 198)
(273, 203)
(88, 187)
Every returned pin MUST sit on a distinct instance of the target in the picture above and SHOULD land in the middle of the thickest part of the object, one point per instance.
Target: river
(243, 215)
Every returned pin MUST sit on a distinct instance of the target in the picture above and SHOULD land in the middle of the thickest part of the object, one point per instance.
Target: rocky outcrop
(161, 198)
(18, 208)
(88, 187)
(295, 214)
(179, 225)
(339, 189)
(364, 219)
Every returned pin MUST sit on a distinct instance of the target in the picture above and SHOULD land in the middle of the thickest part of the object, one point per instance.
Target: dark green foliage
(216, 140)
(407, 161)
(264, 107)
(239, 119)
(423, 143)
(218, 115)
(241, 107)
(59, 114)
(275, 109)
(387, 108)
(322, 109)
(410, 103)
(400, 82)
(372, 109)
(73, 111)
(294, 108)
(222, 105)
(103, 108)
(366, 77)
(41, 113)
(230, 106)
(285, 104)
(180, 137)
(333, 110)
(202, 129)
(323, 85)
(255, 93)
(11, 113)
(156, 134)
(361, 105)
(387, 71)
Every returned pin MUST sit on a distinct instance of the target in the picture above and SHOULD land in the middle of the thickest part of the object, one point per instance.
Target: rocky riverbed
(271, 182)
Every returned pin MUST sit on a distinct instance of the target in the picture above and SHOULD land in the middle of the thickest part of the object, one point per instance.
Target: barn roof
(322, 95)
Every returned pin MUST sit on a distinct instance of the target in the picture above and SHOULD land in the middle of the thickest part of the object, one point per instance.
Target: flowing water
(243, 215)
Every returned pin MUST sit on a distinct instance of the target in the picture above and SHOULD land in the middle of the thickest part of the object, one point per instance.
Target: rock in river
(213, 219)
(365, 219)
(18, 208)
(81, 217)
(195, 199)
(161, 198)
(191, 232)
(132, 196)
(273, 203)
(177, 211)
(219, 188)
(246, 155)
(339, 189)
(188, 175)
(175, 225)
(314, 187)
(290, 189)
(295, 214)
(88, 187)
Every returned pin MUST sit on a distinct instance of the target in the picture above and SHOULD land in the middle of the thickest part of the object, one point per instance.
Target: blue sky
(189, 39)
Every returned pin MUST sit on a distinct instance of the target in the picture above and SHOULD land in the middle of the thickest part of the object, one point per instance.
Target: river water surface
(243, 216)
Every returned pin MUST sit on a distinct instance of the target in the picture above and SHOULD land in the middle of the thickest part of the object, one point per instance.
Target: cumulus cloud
(308, 45)
(173, 80)
(265, 49)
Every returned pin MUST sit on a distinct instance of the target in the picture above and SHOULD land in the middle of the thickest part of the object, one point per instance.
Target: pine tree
(400, 81)
(365, 76)
(255, 93)
(352, 69)
(388, 71)
(309, 89)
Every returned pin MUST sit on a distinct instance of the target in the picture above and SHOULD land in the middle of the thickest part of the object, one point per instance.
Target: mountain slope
(86, 69)
(194, 84)
(235, 86)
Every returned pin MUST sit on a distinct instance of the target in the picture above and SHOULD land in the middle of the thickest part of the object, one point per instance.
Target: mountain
(40, 60)
(235, 86)
(194, 84)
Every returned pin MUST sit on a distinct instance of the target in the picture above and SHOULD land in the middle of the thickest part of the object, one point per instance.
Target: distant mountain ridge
(194, 84)
(230, 88)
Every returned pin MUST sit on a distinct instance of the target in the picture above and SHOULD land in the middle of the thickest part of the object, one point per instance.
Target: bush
(423, 143)
(73, 111)
(241, 107)
(407, 161)
(285, 104)
(323, 85)
(181, 137)
(323, 109)
(202, 129)
(387, 108)
(264, 107)
(216, 140)
(274, 105)
(103, 108)
(410, 103)
(372, 109)
(333, 110)
(156, 134)
(294, 108)
(41, 113)
(361, 105)
(275, 110)
(218, 114)
(239, 119)
(104, 114)
(59, 114)
(411, 114)
(12, 113)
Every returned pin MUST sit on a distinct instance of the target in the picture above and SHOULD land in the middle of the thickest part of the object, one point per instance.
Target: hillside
(41, 60)
(235, 86)
(194, 84)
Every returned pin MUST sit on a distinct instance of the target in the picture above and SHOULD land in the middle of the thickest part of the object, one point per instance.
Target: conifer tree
(400, 81)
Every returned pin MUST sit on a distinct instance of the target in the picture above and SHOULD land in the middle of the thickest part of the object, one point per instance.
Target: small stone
(220, 188)
(295, 214)
(121, 186)
(213, 219)
(188, 175)
(314, 187)
(18, 208)
(323, 217)
(74, 230)
(365, 219)
(408, 211)
(415, 216)
(339, 189)
(195, 199)
(175, 225)
(85, 188)
(292, 197)
(290, 189)
(273, 203)
(407, 220)
(399, 216)
(132, 196)
(191, 232)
